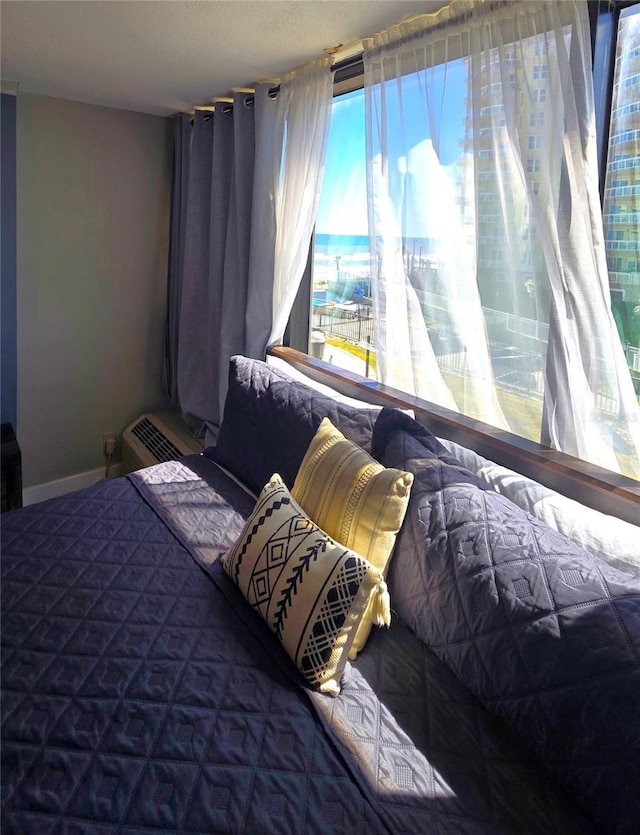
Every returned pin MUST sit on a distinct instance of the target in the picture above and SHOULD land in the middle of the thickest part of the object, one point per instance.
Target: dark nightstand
(11, 470)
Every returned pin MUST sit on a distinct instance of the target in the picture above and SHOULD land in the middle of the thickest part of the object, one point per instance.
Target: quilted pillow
(607, 537)
(545, 634)
(354, 499)
(296, 374)
(269, 421)
(311, 591)
(448, 468)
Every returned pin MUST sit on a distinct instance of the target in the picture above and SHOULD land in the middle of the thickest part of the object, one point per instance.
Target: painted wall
(8, 403)
(92, 225)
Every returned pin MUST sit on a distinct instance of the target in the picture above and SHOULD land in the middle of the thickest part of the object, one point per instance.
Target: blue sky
(343, 203)
(343, 206)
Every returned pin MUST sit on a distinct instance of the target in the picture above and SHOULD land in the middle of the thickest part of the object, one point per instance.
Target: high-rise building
(511, 270)
(622, 188)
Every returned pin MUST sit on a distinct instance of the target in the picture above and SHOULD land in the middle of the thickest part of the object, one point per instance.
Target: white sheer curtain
(258, 314)
(303, 117)
(491, 288)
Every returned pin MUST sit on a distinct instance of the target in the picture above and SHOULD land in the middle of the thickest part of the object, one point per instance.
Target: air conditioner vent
(152, 439)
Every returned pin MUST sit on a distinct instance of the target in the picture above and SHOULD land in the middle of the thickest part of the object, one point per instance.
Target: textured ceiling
(164, 56)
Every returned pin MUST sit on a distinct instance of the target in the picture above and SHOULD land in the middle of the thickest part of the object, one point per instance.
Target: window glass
(513, 284)
(621, 203)
(341, 305)
(515, 309)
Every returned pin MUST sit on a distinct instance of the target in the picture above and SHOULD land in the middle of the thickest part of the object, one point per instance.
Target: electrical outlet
(109, 440)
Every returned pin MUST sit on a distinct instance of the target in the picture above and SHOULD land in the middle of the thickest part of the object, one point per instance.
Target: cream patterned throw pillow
(354, 499)
(311, 591)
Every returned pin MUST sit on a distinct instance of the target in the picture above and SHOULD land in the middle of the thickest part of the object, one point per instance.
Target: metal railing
(353, 326)
(514, 369)
(633, 357)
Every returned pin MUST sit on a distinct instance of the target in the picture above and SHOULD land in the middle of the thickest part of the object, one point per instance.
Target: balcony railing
(622, 219)
(352, 322)
(515, 368)
(623, 246)
(633, 357)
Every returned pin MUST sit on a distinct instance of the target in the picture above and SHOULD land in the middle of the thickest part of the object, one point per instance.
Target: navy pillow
(444, 467)
(543, 633)
(431, 464)
(269, 421)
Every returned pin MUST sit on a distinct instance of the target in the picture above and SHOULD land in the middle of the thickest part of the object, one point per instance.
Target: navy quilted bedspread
(140, 694)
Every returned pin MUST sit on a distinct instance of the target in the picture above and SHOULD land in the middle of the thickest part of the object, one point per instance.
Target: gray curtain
(237, 234)
(179, 185)
(221, 255)
(196, 321)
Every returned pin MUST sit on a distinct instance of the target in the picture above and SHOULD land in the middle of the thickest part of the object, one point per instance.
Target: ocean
(340, 257)
(326, 244)
(353, 254)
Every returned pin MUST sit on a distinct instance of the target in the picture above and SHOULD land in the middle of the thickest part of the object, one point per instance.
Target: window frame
(604, 16)
(349, 76)
(603, 490)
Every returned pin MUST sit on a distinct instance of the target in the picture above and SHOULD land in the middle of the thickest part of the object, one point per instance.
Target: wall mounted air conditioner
(155, 437)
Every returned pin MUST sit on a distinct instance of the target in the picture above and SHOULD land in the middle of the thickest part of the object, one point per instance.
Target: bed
(141, 693)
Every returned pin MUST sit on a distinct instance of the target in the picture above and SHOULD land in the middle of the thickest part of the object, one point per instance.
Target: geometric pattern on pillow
(311, 592)
(606, 537)
(354, 499)
(542, 632)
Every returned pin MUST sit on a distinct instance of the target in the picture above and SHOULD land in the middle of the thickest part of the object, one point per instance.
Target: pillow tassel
(381, 605)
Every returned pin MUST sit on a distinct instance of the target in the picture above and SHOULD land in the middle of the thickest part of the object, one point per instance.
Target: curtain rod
(347, 68)
(353, 65)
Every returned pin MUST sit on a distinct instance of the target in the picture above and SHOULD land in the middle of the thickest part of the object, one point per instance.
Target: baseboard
(62, 486)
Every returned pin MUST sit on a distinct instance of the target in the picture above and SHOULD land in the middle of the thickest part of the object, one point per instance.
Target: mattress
(140, 693)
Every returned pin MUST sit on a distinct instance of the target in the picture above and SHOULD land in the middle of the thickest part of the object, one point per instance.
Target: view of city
(513, 283)
(622, 191)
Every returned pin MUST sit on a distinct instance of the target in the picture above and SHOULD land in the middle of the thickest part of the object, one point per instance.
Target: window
(343, 268)
(341, 302)
(621, 205)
